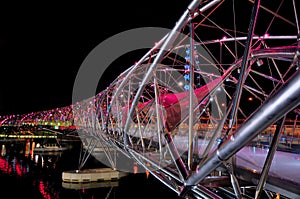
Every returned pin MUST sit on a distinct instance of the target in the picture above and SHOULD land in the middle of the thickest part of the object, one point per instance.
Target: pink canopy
(175, 105)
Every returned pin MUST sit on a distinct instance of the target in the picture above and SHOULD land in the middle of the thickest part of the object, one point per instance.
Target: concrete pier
(90, 185)
(92, 175)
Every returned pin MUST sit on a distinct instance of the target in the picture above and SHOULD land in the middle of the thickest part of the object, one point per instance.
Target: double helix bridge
(211, 110)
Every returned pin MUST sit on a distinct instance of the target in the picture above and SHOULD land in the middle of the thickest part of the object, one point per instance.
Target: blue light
(186, 66)
(186, 87)
(186, 77)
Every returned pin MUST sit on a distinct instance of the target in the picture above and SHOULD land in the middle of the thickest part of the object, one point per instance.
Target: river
(28, 175)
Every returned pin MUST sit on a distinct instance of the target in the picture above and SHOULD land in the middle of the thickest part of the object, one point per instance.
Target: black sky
(43, 44)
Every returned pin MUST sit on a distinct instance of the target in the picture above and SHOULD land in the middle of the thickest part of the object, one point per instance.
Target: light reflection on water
(38, 176)
(30, 174)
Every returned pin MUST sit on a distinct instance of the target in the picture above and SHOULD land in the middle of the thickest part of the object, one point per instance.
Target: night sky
(43, 44)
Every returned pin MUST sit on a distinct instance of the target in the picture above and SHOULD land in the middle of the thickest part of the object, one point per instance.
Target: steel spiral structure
(191, 110)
